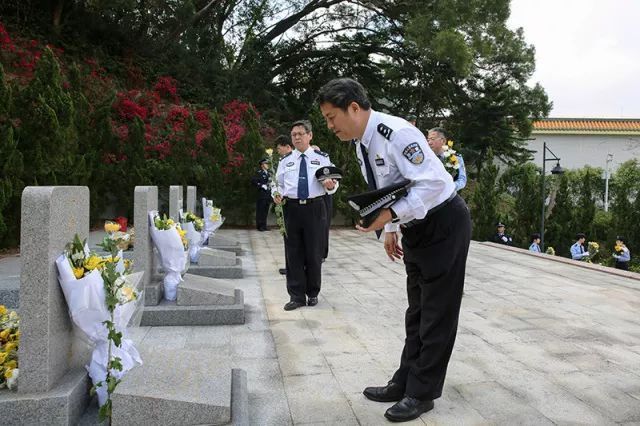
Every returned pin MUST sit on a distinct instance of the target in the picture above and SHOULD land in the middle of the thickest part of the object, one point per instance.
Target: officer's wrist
(394, 216)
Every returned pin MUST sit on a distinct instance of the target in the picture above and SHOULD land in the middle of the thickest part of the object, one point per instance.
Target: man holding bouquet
(436, 230)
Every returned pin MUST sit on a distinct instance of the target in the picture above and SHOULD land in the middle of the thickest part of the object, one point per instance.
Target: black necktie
(371, 180)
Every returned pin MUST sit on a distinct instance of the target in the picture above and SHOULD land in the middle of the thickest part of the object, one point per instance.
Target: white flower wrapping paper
(195, 241)
(172, 256)
(210, 226)
(86, 301)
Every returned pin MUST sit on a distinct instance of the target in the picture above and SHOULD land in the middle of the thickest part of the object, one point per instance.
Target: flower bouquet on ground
(9, 341)
(171, 242)
(194, 227)
(113, 229)
(212, 219)
(103, 300)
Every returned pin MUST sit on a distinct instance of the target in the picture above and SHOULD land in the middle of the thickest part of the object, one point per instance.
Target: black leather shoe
(408, 408)
(290, 306)
(283, 271)
(391, 392)
(313, 301)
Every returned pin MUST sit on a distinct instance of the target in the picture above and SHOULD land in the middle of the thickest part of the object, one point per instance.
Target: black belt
(431, 211)
(304, 202)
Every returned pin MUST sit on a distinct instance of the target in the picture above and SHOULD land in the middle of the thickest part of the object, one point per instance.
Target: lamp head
(557, 170)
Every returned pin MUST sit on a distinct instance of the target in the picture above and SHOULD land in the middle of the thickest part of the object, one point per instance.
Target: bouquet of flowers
(450, 160)
(278, 209)
(171, 242)
(550, 250)
(592, 248)
(103, 300)
(212, 219)
(9, 341)
(618, 249)
(123, 240)
(194, 227)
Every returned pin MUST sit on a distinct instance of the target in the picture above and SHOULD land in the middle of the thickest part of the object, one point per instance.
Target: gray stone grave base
(10, 291)
(234, 271)
(215, 257)
(201, 301)
(62, 405)
(227, 244)
(182, 387)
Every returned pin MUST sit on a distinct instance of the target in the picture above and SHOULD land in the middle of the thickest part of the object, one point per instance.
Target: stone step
(234, 271)
(171, 314)
(10, 291)
(180, 387)
(197, 290)
(226, 244)
(215, 257)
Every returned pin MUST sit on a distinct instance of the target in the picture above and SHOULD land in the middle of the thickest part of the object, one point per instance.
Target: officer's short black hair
(263, 161)
(303, 123)
(620, 238)
(341, 92)
(440, 130)
(580, 235)
(535, 236)
(411, 117)
(284, 140)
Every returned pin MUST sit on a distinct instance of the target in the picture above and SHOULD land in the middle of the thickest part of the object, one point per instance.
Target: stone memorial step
(168, 313)
(181, 387)
(197, 290)
(227, 244)
(233, 271)
(216, 257)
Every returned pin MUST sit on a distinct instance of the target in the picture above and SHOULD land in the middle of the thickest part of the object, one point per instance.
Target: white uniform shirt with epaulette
(289, 171)
(398, 150)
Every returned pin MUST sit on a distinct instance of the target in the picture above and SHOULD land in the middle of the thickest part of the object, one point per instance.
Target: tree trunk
(57, 15)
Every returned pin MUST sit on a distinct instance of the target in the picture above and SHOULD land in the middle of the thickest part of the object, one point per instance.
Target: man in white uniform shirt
(436, 230)
(305, 215)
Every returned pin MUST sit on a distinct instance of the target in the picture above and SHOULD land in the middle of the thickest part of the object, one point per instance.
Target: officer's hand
(329, 184)
(391, 246)
(277, 199)
(383, 217)
(586, 253)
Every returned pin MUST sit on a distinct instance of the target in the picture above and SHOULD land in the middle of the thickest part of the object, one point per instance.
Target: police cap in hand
(328, 172)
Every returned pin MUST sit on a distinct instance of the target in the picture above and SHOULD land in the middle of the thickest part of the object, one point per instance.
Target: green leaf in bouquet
(105, 411)
(115, 337)
(112, 382)
(115, 363)
(109, 245)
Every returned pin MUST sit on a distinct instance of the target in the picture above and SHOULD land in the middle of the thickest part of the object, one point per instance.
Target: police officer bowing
(304, 215)
(436, 231)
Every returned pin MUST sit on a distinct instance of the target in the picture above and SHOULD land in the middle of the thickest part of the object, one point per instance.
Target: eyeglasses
(298, 134)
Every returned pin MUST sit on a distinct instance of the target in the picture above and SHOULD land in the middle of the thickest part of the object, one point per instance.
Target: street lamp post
(557, 170)
(606, 182)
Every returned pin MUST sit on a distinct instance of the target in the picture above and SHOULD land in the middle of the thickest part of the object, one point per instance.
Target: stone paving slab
(539, 341)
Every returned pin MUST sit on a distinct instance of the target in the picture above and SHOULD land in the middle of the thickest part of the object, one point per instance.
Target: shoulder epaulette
(324, 154)
(286, 156)
(385, 131)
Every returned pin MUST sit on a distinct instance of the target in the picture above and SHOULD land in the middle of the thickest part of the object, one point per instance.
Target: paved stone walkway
(539, 342)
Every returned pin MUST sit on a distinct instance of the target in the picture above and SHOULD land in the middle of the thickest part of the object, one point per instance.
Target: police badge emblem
(413, 153)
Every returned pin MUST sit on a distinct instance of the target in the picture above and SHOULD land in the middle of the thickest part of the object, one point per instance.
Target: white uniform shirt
(289, 171)
(398, 150)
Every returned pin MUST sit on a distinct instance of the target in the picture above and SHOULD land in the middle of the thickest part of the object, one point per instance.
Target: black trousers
(262, 210)
(305, 243)
(622, 265)
(328, 204)
(435, 257)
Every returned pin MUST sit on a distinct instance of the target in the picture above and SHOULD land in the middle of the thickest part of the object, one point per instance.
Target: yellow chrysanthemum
(3, 357)
(453, 159)
(128, 293)
(8, 348)
(92, 262)
(8, 373)
(111, 227)
(170, 222)
(4, 334)
(78, 272)
(269, 151)
(3, 310)
(450, 143)
(127, 263)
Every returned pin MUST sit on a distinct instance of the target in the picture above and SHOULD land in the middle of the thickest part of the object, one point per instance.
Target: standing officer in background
(501, 237)
(284, 148)
(305, 215)
(436, 231)
(261, 181)
(437, 139)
